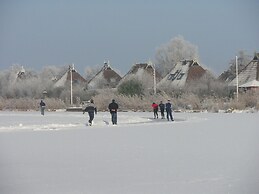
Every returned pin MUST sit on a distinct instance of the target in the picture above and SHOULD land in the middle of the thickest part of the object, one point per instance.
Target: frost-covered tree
(168, 54)
(18, 82)
(243, 60)
(90, 72)
(131, 87)
(52, 73)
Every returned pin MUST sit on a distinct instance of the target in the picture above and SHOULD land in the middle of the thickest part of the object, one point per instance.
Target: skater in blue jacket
(168, 108)
(91, 109)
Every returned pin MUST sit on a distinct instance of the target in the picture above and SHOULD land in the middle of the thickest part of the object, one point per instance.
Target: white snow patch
(198, 153)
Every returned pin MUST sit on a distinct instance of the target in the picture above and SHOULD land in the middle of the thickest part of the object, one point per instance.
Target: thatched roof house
(249, 74)
(143, 72)
(66, 78)
(183, 73)
(105, 78)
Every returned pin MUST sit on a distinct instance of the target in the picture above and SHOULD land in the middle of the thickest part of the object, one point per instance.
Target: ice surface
(198, 153)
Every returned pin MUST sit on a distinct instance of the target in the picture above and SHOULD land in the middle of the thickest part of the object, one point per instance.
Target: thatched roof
(139, 70)
(142, 72)
(183, 72)
(76, 78)
(105, 78)
(249, 73)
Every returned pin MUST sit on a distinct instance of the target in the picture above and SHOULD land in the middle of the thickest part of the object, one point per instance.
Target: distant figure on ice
(42, 107)
(113, 107)
(168, 108)
(91, 109)
(155, 110)
(162, 109)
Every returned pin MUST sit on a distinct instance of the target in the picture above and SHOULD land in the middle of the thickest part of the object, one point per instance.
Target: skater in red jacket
(155, 109)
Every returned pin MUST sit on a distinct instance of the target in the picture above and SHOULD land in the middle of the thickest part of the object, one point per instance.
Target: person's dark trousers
(114, 118)
(91, 116)
(162, 114)
(155, 113)
(42, 110)
(169, 115)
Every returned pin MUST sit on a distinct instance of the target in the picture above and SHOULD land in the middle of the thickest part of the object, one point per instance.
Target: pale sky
(36, 33)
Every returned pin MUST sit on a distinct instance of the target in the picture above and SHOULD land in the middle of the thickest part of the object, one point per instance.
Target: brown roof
(75, 77)
(110, 76)
(195, 72)
(109, 73)
(183, 73)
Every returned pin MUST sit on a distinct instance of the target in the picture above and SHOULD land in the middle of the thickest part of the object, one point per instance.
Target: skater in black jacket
(162, 109)
(113, 107)
(42, 107)
(91, 109)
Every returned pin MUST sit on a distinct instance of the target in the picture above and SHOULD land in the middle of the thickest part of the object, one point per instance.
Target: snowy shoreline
(62, 120)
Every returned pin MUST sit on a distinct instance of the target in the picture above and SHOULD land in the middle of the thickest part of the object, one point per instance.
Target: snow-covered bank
(199, 153)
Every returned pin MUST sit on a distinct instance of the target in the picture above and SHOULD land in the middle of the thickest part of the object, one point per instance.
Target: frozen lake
(208, 153)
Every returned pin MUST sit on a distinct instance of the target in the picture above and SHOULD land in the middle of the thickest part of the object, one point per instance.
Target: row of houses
(183, 73)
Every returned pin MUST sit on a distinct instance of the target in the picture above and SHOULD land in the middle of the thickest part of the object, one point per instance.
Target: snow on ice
(198, 153)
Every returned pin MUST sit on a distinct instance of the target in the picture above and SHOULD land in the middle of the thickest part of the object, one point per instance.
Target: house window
(180, 76)
(170, 76)
(177, 75)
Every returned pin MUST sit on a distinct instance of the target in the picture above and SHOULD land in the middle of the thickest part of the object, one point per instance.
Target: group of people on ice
(113, 108)
(91, 109)
(163, 107)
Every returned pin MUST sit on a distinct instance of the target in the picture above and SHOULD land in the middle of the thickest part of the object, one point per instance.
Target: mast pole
(237, 77)
(71, 84)
(154, 76)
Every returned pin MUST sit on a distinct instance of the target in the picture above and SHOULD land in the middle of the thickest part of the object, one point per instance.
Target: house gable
(106, 77)
(249, 73)
(183, 72)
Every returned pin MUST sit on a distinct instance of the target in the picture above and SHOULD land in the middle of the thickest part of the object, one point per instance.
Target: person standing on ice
(42, 107)
(155, 110)
(168, 108)
(162, 109)
(113, 107)
(91, 109)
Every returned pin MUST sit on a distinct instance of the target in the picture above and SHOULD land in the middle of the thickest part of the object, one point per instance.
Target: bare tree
(90, 72)
(243, 60)
(172, 52)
